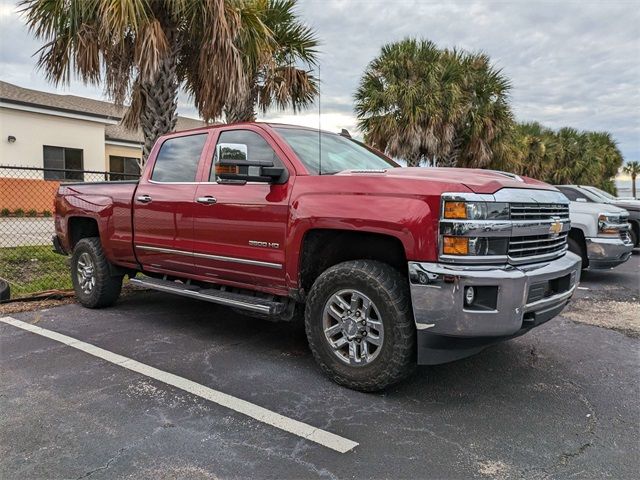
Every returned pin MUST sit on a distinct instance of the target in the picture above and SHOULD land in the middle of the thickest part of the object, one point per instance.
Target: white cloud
(572, 63)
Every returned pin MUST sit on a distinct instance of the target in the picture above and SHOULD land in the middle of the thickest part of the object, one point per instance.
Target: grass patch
(34, 269)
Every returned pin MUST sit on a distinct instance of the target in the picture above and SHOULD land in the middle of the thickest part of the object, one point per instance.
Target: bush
(18, 212)
(32, 213)
(47, 213)
(5, 212)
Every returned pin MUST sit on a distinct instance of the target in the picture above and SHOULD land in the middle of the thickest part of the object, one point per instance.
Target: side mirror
(582, 200)
(232, 164)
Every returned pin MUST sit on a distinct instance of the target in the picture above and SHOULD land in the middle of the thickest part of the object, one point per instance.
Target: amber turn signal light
(455, 210)
(220, 169)
(455, 246)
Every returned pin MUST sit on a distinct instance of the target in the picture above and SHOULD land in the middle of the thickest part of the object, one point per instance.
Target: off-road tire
(389, 290)
(107, 288)
(578, 249)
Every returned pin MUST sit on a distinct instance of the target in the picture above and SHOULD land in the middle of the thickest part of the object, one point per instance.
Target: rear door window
(178, 159)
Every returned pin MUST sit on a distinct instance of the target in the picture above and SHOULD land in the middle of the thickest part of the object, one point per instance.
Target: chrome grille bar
(534, 211)
(542, 245)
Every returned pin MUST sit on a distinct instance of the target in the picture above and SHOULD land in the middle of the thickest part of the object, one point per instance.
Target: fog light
(456, 246)
(469, 295)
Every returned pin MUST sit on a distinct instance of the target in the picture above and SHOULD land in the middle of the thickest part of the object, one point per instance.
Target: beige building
(45, 130)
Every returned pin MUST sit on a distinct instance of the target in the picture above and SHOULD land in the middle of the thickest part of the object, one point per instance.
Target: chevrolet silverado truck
(600, 231)
(388, 266)
(590, 194)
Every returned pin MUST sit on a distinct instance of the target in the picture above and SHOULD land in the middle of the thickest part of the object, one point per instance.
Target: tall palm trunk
(633, 186)
(243, 110)
(452, 157)
(159, 97)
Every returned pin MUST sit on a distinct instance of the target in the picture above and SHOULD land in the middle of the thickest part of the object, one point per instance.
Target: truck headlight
(611, 223)
(476, 246)
(459, 210)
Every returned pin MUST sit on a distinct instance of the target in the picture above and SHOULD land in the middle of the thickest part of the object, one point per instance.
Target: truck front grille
(539, 211)
(537, 245)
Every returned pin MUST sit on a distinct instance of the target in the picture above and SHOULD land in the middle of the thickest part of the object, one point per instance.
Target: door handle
(208, 200)
(143, 198)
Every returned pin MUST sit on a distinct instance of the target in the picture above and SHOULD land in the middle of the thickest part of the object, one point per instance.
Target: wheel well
(82, 227)
(578, 235)
(636, 228)
(322, 249)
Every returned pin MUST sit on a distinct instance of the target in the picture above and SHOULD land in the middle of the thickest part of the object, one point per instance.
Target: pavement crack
(106, 465)
(566, 456)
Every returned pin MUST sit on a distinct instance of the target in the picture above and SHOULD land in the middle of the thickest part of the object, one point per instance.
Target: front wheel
(93, 282)
(360, 326)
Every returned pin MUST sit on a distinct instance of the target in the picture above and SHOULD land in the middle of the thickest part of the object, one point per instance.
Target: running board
(214, 295)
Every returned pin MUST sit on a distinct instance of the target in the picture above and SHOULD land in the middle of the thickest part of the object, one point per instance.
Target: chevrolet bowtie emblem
(555, 228)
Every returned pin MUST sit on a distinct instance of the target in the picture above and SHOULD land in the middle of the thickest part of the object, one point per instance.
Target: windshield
(338, 153)
(600, 193)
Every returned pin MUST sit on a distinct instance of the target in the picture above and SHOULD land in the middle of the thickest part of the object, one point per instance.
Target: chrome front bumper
(437, 295)
(608, 252)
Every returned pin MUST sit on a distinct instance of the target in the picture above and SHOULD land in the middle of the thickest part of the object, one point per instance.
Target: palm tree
(273, 75)
(566, 156)
(633, 169)
(144, 51)
(427, 105)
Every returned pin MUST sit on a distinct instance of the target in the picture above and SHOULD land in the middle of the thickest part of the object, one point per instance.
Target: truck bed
(110, 205)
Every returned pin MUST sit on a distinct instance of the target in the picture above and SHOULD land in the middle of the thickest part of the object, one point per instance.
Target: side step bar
(214, 295)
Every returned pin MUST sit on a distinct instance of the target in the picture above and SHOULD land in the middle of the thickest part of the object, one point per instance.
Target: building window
(58, 161)
(123, 168)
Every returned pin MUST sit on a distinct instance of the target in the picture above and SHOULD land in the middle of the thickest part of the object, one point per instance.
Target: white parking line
(322, 437)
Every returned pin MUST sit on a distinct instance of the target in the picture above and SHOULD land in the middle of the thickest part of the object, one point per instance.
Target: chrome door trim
(277, 266)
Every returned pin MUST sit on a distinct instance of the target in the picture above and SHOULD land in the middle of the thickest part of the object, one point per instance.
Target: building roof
(74, 104)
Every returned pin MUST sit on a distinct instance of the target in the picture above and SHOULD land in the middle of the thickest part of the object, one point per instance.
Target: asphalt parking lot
(559, 402)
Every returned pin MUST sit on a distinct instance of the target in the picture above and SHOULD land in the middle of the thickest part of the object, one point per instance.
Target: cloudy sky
(572, 63)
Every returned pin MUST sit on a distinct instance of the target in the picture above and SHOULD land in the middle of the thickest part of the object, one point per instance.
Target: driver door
(240, 228)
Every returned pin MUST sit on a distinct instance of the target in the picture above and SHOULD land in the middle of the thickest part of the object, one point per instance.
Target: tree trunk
(160, 100)
(452, 158)
(414, 161)
(244, 110)
(633, 186)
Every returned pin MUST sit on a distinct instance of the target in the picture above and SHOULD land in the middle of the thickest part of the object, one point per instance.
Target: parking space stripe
(306, 431)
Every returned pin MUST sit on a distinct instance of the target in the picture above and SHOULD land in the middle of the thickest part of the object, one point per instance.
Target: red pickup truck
(389, 266)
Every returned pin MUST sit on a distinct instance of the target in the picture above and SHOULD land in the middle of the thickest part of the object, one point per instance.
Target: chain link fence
(27, 260)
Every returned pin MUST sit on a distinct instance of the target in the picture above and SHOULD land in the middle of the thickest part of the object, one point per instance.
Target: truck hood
(476, 180)
(594, 208)
(633, 205)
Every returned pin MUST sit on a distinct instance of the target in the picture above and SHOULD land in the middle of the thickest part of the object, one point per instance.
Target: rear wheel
(360, 326)
(577, 248)
(93, 282)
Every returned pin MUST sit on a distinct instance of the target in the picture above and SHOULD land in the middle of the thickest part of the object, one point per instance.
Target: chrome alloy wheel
(353, 327)
(86, 273)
